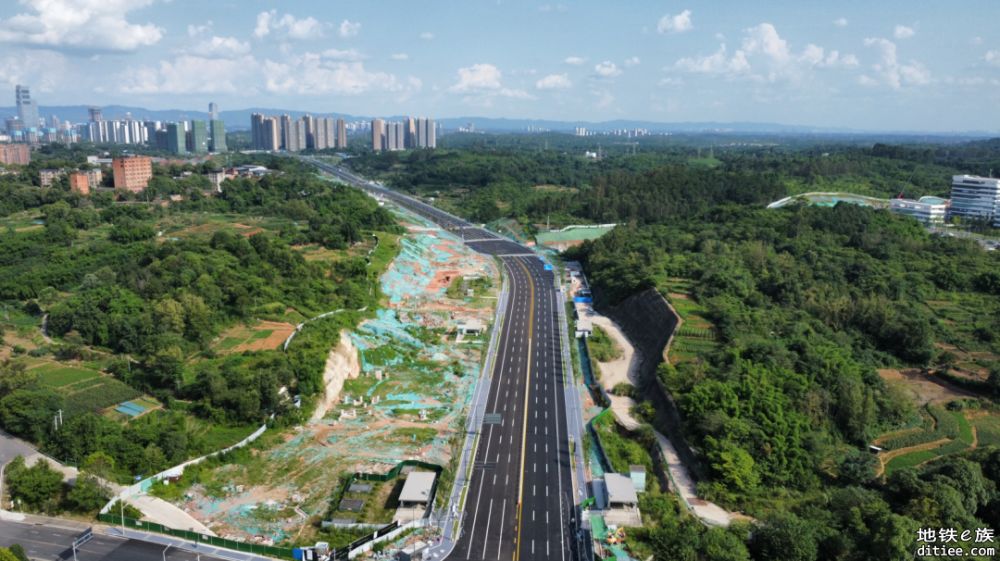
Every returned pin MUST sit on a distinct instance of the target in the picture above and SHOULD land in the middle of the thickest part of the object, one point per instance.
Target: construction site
(397, 388)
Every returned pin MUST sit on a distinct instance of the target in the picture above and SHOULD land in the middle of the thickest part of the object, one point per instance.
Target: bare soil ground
(923, 388)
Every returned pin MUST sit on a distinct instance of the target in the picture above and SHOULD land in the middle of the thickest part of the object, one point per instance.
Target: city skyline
(891, 66)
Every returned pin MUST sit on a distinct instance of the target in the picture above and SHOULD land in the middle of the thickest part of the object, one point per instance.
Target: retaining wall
(649, 322)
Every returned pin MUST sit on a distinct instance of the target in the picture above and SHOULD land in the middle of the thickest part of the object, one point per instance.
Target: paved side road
(54, 543)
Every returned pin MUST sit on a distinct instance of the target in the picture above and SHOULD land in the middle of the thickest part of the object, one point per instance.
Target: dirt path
(342, 363)
(619, 370)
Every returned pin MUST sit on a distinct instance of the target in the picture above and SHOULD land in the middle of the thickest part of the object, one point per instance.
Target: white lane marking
(488, 518)
(468, 553)
(503, 516)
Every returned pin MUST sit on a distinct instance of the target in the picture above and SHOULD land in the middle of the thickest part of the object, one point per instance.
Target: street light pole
(165, 552)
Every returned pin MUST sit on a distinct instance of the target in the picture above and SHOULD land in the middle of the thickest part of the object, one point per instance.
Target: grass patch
(59, 376)
(602, 347)
(623, 449)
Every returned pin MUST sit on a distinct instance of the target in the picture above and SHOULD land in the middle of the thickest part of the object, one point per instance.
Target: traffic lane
(486, 523)
(497, 507)
(46, 542)
(546, 505)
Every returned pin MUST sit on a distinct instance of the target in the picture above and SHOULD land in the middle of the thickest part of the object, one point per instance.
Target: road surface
(49, 542)
(519, 504)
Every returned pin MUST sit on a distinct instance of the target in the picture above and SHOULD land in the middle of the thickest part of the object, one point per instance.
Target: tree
(734, 465)
(719, 544)
(37, 487)
(857, 467)
(18, 552)
(87, 495)
(785, 537)
(100, 464)
(29, 413)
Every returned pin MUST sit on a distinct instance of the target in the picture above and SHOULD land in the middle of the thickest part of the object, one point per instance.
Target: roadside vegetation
(790, 316)
(151, 327)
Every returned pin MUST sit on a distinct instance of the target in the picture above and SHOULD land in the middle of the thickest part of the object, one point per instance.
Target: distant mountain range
(240, 119)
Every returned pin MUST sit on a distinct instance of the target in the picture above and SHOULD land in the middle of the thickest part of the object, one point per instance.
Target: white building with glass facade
(974, 197)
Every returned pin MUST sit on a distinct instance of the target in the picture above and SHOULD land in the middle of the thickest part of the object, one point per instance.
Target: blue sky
(887, 65)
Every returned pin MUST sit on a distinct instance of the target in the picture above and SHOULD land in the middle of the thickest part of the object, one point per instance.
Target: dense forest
(498, 177)
(111, 289)
(805, 304)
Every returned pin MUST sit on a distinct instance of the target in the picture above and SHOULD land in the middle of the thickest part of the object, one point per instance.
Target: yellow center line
(527, 390)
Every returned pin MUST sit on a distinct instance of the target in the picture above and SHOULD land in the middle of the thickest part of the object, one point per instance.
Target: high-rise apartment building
(213, 111)
(95, 114)
(199, 137)
(330, 132)
(390, 136)
(421, 133)
(975, 197)
(378, 134)
(18, 154)
(411, 132)
(132, 173)
(257, 131)
(294, 133)
(341, 134)
(176, 141)
(286, 132)
(217, 136)
(27, 110)
(431, 134)
(308, 124)
(271, 135)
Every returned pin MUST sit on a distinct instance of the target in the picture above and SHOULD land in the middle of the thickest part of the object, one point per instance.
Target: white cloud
(478, 77)
(294, 28)
(346, 55)
(764, 39)
(575, 60)
(427, 36)
(607, 69)
(312, 74)
(196, 30)
(40, 68)
(560, 8)
(891, 71)
(840, 22)
(765, 56)
(220, 47)
(992, 57)
(80, 24)
(718, 62)
(632, 61)
(903, 32)
(554, 82)
(263, 27)
(482, 83)
(816, 56)
(400, 56)
(349, 28)
(189, 74)
(675, 24)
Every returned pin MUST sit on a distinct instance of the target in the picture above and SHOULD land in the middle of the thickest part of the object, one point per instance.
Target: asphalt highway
(519, 503)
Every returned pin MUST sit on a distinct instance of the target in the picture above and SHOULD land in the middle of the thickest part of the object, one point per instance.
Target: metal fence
(282, 552)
